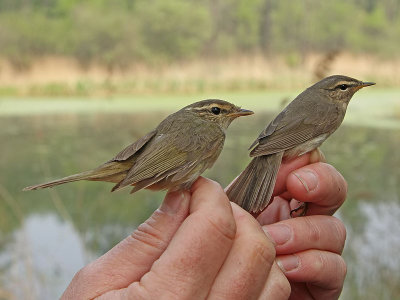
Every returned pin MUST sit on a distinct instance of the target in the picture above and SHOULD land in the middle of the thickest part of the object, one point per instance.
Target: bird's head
(217, 111)
(340, 88)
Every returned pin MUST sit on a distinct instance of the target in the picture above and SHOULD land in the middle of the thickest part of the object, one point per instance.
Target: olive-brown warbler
(301, 127)
(172, 156)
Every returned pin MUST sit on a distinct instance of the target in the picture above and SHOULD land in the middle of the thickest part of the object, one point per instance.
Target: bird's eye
(215, 110)
(343, 87)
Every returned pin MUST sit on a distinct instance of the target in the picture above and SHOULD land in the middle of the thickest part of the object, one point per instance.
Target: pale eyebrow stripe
(209, 106)
(346, 82)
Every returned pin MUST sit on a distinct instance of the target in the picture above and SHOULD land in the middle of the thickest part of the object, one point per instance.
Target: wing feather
(163, 156)
(166, 157)
(130, 150)
(290, 129)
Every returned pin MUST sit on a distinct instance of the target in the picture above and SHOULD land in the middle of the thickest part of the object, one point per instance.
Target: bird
(302, 126)
(170, 157)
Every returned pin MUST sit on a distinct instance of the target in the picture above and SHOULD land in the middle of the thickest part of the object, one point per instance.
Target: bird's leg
(302, 206)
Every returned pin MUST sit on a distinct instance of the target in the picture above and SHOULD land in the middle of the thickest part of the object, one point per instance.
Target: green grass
(373, 107)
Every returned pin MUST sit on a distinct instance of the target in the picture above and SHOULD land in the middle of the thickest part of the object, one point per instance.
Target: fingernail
(173, 202)
(288, 263)
(279, 233)
(308, 179)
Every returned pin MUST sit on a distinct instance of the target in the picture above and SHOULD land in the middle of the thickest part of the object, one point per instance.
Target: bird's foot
(302, 206)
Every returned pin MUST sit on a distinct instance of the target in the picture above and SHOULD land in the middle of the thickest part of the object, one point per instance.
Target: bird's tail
(253, 188)
(110, 171)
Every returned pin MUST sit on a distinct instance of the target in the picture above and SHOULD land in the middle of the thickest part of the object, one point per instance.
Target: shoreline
(377, 108)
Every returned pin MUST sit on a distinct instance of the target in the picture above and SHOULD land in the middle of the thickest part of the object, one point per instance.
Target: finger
(323, 271)
(286, 168)
(134, 256)
(313, 232)
(277, 210)
(277, 286)
(300, 291)
(194, 256)
(319, 183)
(247, 267)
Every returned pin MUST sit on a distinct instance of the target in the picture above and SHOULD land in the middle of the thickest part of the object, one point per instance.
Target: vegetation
(119, 33)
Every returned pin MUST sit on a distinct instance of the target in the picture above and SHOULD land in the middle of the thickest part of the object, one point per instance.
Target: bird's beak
(364, 84)
(241, 112)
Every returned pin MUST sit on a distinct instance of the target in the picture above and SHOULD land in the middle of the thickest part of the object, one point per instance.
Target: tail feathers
(110, 171)
(75, 177)
(253, 188)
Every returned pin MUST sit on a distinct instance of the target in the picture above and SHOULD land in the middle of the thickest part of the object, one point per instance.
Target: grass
(63, 77)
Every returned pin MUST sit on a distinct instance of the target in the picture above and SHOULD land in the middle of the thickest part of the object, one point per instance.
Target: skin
(198, 245)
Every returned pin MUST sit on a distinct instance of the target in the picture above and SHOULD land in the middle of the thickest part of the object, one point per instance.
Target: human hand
(305, 179)
(308, 248)
(196, 245)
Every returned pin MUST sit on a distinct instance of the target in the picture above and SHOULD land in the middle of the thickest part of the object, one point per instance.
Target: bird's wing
(271, 128)
(290, 129)
(133, 148)
(187, 172)
(164, 156)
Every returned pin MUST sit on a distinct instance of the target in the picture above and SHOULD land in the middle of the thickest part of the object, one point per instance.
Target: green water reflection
(46, 236)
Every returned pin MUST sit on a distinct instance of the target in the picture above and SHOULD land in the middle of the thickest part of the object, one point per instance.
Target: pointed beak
(364, 84)
(241, 112)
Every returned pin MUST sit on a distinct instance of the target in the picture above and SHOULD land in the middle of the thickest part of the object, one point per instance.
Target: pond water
(48, 235)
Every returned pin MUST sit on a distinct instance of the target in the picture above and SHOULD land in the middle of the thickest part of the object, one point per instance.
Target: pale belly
(305, 147)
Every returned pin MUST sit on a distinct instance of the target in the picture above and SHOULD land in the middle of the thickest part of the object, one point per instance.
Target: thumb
(133, 257)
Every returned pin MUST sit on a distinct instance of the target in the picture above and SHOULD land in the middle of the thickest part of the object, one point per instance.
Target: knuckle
(319, 265)
(267, 251)
(223, 224)
(314, 232)
(261, 247)
(161, 290)
(148, 234)
(332, 263)
(333, 269)
(340, 233)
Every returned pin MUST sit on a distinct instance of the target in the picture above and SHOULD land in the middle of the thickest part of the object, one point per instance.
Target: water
(48, 235)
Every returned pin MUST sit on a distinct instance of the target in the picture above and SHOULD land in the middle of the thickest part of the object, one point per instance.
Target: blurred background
(80, 80)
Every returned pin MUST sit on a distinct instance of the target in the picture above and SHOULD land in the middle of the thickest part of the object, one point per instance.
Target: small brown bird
(302, 126)
(172, 156)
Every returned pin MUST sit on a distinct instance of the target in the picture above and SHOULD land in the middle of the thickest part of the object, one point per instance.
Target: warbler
(173, 155)
(302, 126)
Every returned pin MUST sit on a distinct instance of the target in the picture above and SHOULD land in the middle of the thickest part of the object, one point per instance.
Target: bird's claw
(303, 207)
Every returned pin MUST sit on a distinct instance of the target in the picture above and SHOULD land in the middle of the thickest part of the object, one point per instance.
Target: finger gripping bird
(301, 127)
(172, 156)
